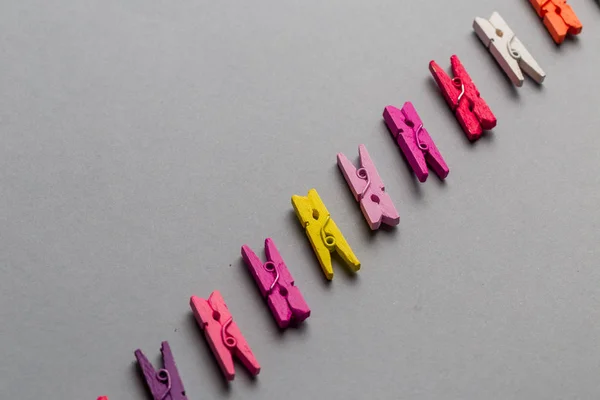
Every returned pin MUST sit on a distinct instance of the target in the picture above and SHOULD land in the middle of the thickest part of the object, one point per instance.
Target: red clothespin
(223, 335)
(418, 147)
(277, 285)
(102, 398)
(461, 94)
(164, 384)
(368, 189)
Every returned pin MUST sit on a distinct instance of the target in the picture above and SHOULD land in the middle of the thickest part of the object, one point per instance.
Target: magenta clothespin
(368, 189)
(277, 285)
(164, 384)
(419, 149)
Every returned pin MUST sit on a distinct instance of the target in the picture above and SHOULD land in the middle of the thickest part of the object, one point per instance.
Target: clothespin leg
(556, 26)
(407, 146)
(342, 247)
(378, 209)
(243, 351)
(468, 121)
(279, 307)
(288, 306)
(313, 231)
(300, 310)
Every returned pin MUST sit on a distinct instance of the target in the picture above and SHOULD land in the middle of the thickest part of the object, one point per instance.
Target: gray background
(144, 141)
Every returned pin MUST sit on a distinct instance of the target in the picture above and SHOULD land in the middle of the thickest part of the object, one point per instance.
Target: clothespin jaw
(223, 335)
(559, 18)
(418, 147)
(164, 384)
(323, 233)
(507, 49)
(276, 284)
(461, 94)
(368, 189)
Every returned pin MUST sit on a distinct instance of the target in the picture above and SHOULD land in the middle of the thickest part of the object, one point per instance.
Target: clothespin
(223, 335)
(323, 233)
(368, 189)
(164, 384)
(102, 398)
(464, 99)
(507, 49)
(559, 18)
(277, 285)
(406, 127)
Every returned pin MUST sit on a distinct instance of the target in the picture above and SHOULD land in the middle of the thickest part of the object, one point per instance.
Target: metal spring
(324, 236)
(163, 376)
(228, 339)
(513, 53)
(423, 146)
(457, 82)
(363, 174)
(272, 269)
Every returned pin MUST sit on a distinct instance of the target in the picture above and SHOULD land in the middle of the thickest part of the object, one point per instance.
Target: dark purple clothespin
(164, 384)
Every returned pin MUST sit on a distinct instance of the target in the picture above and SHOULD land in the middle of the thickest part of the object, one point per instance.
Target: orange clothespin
(558, 17)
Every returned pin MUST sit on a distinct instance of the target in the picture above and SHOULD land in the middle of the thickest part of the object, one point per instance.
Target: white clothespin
(507, 49)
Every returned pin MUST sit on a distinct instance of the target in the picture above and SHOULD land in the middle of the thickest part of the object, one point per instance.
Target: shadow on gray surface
(571, 40)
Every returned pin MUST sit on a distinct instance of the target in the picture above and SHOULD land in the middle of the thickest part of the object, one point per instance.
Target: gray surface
(143, 142)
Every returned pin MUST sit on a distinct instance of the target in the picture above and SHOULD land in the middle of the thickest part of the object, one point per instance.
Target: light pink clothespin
(368, 189)
(277, 285)
(419, 149)
(223, 335)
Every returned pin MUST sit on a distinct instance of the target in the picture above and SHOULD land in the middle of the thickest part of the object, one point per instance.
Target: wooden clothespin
(323, 233)
(559, 18)
(368, 189)
(464, 99)
(406, 127)
(223, 335)
(164, 384)
(507, 49)
(276, 284)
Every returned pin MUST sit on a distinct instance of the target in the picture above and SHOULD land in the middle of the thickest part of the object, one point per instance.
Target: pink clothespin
(419, 149)
(102, 398)
(277, 285)
(368, 189)
(223, 335)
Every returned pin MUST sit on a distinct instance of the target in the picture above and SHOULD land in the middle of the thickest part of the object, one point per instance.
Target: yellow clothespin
(324, 235)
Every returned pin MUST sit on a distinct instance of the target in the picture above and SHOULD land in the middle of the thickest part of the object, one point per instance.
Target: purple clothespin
(277, 285)
(164, 384)
(368, 190)
(419, 149)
